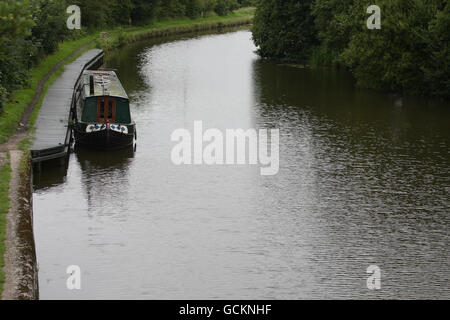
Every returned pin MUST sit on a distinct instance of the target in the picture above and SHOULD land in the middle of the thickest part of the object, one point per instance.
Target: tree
(15, 25)
(284, 29)
(15, 19)
(145, 11)
(334, 25)
(437, 68)
(225, 6)
(49, 28)
(407, 54)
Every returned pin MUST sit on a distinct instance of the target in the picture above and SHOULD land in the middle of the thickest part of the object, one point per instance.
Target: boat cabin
(103, 99)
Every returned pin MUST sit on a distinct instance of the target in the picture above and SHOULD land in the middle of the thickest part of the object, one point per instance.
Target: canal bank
(121, 39)
(18, 269)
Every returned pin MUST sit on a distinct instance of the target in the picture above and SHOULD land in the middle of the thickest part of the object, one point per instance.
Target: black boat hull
(106, 139)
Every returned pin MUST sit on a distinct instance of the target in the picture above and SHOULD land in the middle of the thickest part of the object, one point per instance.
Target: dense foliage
(284, 29)
(32, 29)
(410, 53)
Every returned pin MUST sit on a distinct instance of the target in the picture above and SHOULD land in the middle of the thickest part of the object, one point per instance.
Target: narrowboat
(102, 117)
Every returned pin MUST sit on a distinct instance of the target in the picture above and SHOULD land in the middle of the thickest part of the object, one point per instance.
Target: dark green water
(363, 180)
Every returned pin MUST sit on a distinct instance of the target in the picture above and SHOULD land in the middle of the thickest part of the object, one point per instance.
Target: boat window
(102, 108)
(110, 109)
(89, 110)
(123, 111)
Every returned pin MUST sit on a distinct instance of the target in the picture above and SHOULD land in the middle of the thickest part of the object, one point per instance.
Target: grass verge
(5, 176)
(124, 35)
(238, 15)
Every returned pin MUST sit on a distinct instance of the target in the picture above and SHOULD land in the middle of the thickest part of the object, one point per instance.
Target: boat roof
(106, 83)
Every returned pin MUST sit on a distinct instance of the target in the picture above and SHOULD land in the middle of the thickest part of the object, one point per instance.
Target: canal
(363, 180)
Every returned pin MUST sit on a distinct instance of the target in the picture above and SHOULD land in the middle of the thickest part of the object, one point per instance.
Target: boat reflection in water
(105, 175)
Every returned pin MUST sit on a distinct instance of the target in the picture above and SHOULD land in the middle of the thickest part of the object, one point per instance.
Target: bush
(3, 97)
(409, 54)
(284, 29)
(225, 6)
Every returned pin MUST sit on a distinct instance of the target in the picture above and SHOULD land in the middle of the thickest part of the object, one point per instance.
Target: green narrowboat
(102, 117)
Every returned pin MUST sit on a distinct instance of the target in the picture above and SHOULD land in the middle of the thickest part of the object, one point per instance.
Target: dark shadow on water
(50, 174)
(53, 173)
(284, 91)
